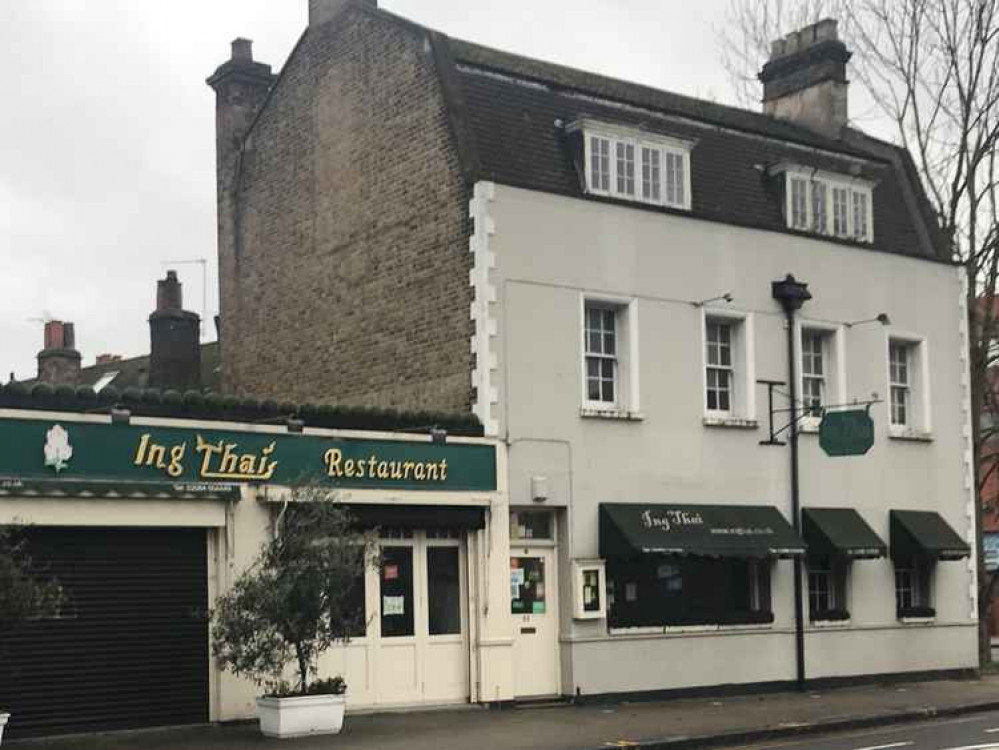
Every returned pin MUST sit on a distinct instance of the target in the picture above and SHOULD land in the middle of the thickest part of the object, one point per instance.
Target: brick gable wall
(347, 279)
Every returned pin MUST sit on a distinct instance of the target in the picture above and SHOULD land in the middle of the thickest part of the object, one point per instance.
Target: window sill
(688, 629)
(829, 624)
(738, 423)
(908, 434)
(917, 620)
(620, 415)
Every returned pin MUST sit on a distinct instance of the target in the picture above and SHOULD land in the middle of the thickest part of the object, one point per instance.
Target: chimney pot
(804, 81)
(175, 348)
(242, 50)
(169, 293)
(59, 362)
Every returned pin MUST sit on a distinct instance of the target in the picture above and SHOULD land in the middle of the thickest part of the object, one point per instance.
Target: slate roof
(516, 110)
(509, 112)
(134, 372)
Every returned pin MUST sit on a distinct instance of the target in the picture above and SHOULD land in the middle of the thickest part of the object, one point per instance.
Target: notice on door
(393, 605)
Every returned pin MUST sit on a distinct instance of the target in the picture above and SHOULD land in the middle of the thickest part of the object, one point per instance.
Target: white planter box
(299, 717)
(3, 723)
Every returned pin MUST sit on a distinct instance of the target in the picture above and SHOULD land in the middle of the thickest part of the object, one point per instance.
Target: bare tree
(932, 70)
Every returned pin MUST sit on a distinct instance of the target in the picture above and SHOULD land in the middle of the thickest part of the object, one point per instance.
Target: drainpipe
(792, 294)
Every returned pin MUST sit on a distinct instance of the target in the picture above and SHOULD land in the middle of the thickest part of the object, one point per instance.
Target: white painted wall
(550, 250)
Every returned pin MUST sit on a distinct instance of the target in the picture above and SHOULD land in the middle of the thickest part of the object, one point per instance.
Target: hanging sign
(846, 433)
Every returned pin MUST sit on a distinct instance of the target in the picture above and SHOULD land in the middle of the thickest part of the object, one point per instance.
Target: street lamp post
(792, 294)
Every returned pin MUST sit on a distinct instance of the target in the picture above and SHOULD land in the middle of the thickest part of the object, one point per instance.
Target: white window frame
(617, 134)
(626, 403)
(919, 423)
(831, 182)
(834, 355)
(743, 402)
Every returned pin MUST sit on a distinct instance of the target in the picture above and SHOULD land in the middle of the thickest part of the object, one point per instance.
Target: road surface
(978, 732)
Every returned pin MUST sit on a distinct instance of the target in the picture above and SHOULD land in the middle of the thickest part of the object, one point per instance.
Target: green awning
(840, 532)
(629, 529)
(916, 533)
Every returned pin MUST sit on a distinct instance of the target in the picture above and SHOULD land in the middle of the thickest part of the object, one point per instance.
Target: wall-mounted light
(295, 425)
(438, 436)
(727, 297)
(882, 318)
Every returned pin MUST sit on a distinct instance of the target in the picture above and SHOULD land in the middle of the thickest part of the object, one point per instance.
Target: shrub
(295, 600)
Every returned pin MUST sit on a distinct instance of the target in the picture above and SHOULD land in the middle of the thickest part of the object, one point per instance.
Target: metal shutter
(132, 647)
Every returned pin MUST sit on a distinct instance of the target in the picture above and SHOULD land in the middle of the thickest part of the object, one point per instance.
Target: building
(146, 507)
(177, 359)
(596, 270)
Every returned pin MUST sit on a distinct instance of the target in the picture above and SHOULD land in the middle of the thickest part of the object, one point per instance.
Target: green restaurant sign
(45, 450)
(846, 433)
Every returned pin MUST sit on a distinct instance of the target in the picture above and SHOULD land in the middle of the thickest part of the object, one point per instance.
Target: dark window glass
(913, 584)
(827, 588)
(526, 524)
(397, 591)
(352, 619)
(659, 590)
(444, 590)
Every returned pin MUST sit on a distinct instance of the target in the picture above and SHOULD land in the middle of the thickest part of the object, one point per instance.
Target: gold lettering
(176, 468)
(432, 470)
(140, 452)
(208, 450)
(333, 458)
(420, 472)
(383, 472)
(247, 464)
(271, 465)
(443, 469)
(227, 464)
(372, 466)
(348, 467)
(396, 469)
(407, 467)
(157, 456)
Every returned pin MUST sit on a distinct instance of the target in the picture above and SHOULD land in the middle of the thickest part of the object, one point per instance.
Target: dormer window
(633, 165)
(827, 203)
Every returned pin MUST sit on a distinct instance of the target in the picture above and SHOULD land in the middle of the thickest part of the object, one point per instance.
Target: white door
(534, 607)
(420, 643)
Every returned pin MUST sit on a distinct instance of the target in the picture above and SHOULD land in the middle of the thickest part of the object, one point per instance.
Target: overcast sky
(107, 164)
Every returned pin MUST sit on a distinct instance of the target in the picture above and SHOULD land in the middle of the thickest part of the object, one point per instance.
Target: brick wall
(347, 278)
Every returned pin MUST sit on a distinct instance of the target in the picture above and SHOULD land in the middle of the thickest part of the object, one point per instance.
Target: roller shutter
(131, 649)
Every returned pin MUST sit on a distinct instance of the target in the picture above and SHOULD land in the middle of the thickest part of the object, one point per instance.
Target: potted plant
(24, 595)
(293, 603)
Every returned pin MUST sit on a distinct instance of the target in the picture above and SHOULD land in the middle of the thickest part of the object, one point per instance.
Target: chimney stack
(59, 361)
(322, 11)
(804, 81)
(175, 346)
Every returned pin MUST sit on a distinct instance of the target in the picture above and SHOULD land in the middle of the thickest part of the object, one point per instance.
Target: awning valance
(919, 533)
(628, 529)
(840, 532)
(105, 490)
(399, 516)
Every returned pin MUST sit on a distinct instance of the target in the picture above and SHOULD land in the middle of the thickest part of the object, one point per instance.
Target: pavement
(664, 725)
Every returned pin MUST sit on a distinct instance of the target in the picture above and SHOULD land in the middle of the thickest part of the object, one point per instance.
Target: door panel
(533, 606)
(416, 645)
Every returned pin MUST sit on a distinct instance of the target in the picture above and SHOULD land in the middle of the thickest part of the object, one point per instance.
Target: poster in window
(393, 606)
(391, 572)
(591, 590)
